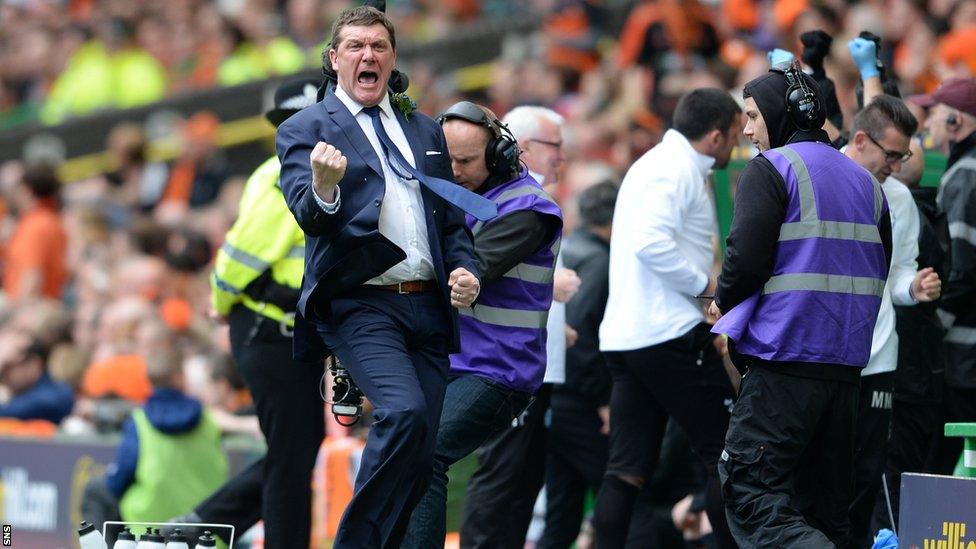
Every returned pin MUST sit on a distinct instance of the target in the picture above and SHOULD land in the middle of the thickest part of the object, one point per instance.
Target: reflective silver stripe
(555, 246)
(515, 193)
(878, 198)
(804, 185)
(961, 335)
(525, 190)
(840, 230)
(510, 318)
(244, 258)
(530, 273)
(839, 284)
(963, 231)
(968, 163)
(224, 285)
(296, 252)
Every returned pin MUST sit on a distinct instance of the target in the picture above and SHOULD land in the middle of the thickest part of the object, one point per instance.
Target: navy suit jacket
(345, 249)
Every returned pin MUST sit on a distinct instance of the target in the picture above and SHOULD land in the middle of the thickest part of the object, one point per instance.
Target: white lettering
(29, 505)
(881, 400)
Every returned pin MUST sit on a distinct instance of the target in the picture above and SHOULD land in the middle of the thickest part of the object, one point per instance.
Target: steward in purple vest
(503, 337)
(829, 269)
(504, 334)
(804, 271)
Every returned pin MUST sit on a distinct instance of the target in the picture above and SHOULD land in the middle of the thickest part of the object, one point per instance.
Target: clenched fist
(926, 286)
(328, 166)
(464, 288)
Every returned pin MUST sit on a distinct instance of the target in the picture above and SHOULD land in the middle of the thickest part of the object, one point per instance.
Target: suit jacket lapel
(345, 120)
(413, 137)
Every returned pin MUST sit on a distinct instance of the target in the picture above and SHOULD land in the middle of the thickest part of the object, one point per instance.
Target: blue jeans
(474, 409)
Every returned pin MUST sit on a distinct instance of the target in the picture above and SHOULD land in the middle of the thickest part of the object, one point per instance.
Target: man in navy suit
(387, 263)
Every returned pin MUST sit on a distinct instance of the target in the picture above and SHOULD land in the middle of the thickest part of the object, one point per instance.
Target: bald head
(466, 143)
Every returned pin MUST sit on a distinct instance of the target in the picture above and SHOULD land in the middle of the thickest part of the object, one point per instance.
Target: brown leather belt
(411, 287)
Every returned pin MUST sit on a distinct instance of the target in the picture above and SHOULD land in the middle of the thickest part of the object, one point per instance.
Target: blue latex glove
(886, 539)
(864, 55)
(779, 57)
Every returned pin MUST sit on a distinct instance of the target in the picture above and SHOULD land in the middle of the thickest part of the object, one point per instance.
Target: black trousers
(870, 450)
(575, 461)
(958, 405)
(278, 487)
(503, 490)
(787, 465)
(681, 379)
(913, 426)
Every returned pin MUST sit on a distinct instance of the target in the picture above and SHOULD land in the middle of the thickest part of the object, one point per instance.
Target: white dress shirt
(904, 265)
(556, 339)
(661, 247)
(402, 212)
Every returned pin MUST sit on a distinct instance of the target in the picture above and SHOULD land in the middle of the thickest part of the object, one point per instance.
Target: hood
(769, 92)
(171, 411)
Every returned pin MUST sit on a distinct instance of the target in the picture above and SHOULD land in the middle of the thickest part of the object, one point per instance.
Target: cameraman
(503, 357)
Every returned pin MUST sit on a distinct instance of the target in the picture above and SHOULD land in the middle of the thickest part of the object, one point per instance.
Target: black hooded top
(760, 207)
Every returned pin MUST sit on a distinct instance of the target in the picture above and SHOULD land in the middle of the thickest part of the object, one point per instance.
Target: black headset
(952, 120)
(502, 152)
(802, 103)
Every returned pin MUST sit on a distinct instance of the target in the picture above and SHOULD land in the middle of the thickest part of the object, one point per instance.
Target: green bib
(175, 472)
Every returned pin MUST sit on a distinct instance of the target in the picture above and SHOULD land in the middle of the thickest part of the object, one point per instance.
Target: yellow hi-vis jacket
(264, 239)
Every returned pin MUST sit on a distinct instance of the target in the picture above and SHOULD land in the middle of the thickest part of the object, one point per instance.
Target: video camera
(347, 399)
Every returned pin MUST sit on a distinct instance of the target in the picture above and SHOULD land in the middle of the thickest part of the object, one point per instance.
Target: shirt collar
(702, 161)
(538, 177)
(355, 107)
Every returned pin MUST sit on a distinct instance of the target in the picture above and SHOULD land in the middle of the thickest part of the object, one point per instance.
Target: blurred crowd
(97, 274)
(64, 58)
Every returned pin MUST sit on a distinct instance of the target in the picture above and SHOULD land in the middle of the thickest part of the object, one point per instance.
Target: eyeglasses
(891, 156)
(557, 144)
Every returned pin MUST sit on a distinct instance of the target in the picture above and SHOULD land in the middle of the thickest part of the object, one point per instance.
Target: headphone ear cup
(501, 155)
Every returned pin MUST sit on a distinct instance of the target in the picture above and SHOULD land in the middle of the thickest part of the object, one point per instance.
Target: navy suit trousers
(395, 348)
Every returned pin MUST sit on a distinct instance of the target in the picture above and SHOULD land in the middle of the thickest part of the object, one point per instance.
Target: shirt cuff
(328, 207)
(901, 292)
(701, 281)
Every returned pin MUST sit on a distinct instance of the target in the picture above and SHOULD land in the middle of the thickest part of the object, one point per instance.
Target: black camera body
(347, 399)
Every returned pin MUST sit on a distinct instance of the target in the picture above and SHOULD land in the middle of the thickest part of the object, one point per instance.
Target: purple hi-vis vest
(821, 303)
(503, 337)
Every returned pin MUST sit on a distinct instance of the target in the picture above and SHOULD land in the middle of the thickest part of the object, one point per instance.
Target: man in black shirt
(952, 123)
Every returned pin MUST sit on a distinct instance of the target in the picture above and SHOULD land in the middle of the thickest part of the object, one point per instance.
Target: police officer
(255, 287)
(801, 286)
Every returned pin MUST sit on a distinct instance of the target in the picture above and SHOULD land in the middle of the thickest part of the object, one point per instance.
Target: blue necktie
(476, 205)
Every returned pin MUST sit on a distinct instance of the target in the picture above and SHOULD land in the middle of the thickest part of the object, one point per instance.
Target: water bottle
(89, 537)
(151, 540)
(206, 540)
(177, 540)
(125, 540)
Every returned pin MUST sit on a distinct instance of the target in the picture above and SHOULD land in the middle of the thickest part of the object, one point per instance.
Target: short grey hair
(523, 121)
